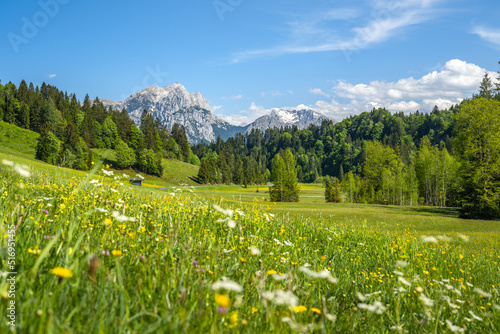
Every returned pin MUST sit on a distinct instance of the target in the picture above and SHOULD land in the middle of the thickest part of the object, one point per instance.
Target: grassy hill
(19, 145)
(17, 141)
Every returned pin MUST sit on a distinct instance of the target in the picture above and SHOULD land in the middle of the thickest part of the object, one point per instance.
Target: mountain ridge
(174, 104)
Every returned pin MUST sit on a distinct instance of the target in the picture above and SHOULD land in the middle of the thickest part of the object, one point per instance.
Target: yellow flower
(62, 206)
(34, 251)
(244, 322)
(323, 258)
(61, 272)
(271, 272)
(243, 260)
(234, 318)
(461, 256)
(316, 310)
(108, 221)
(92, 163)
(222, 300)
(116, 252)
(254, 310)
(300, 308)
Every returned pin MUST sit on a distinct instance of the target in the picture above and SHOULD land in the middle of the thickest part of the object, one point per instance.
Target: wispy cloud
(385, 19)
(488, 34)
(318, 91)
(235, 97)
(52, 76)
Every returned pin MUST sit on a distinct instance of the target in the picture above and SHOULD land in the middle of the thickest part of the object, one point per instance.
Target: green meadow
(94, 254)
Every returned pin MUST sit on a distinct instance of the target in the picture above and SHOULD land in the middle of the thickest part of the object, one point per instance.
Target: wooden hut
(136, 181)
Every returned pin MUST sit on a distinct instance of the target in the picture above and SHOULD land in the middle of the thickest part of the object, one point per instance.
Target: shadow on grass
(447, 212)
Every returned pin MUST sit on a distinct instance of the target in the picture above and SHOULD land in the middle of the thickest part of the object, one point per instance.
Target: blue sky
(246, 56)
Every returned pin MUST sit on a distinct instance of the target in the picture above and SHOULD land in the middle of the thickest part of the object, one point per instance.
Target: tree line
(70, 129)
(379, 157)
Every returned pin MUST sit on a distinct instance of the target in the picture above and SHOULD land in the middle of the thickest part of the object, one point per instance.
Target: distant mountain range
(173, 104)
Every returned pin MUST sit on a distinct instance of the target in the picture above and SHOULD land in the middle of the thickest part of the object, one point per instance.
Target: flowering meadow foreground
(94, 255)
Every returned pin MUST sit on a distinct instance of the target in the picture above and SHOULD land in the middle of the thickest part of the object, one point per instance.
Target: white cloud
(235, 97)
(245, 116)
(450, 85)
(52, 76)
(488, 34)
(275, 93)
(386, 19)
(318, 91)
(215, 108)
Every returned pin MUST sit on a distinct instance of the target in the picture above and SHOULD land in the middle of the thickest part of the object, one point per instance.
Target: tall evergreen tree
(478, 147)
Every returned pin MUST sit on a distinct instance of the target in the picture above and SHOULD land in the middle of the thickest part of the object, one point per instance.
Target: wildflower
(222, 310)
(377, 307)
(288, 243)
(105, 252)
(482, 293)
(61, 272)
(271, 272)
(45, 211)
(62, 206)
(243, 260)
(464, 237)
(116, 252)
(360, 296)
(316, 310)
(195, 263)
(427, 301)
(122, 218)
(475, 317)
(278, 277)
(253, 310)
(222, 300)
(234, 318)
(401, 264)
(34, 251)
(429, 239)
(280, 297)
(227, 212)
(7, 162)
(322, 274)
(22, 170)
(231, 223)
(108, 222)
(299, 309)
(254, 250)
(405, 282)
(227, 285)
(244, 322)
(453, 328)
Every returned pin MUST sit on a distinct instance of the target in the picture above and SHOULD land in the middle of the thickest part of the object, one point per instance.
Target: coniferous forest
(70, 129)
